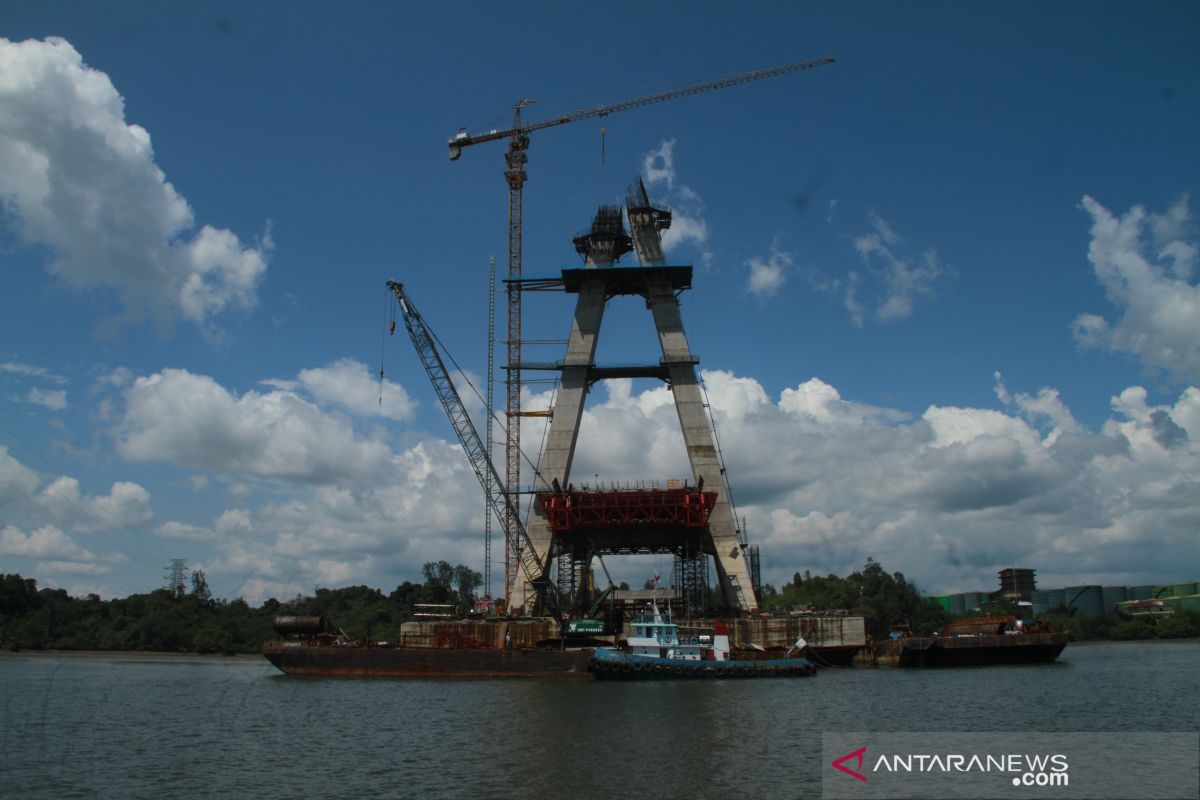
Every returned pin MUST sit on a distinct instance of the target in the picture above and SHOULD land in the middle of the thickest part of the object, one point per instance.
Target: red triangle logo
(857, 754)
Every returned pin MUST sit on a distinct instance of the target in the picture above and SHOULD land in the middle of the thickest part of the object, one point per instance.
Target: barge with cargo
(388, 661)
(982, 641)
(528, 648)
(460, 648)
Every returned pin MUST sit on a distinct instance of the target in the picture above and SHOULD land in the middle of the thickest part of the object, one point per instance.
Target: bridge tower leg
(659, 284)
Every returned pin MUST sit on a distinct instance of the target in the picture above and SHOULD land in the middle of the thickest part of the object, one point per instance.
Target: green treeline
(194, 622)
(1179, 625)
(885, 600)
(191, 620)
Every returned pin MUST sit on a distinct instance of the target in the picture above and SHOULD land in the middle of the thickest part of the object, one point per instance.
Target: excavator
(590, 624)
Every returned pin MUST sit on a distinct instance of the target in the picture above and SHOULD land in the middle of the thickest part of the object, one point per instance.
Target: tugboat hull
(608, 664)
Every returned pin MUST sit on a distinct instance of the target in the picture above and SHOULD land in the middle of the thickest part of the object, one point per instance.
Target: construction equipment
(518, 142)
(502, 502)
(518, 130)
(487, 513)
(589, 625)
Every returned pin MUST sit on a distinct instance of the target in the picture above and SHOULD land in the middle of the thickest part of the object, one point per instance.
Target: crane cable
(383, 341)
(466, 378)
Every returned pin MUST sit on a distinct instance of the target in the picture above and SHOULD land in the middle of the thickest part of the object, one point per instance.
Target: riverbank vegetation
(1179, 625)
(886, 600)
(190, 619)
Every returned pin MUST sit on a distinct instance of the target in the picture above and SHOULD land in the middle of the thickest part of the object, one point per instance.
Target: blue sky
(945, 298)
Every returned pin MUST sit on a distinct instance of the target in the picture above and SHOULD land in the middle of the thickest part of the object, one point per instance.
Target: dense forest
(884, 599)
(190, 619)
(183, 620)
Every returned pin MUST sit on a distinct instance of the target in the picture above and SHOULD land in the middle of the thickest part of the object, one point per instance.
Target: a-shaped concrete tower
(692, 521)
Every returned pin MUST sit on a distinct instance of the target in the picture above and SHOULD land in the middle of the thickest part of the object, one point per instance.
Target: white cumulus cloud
(126, 505)
(948, 497)
(31, 371)
(29, 498)
(342, 507)
(1045, 406)
(234, 520)
(688, 225)
(658, 166)
(897, 275)
(1145, 262)
(45, 542)
(79, 179)
(17, 482)
(53, 399)
(193, 422)
(426, 506)
(767, 275)
(180, 530)
(351, 385)
(72, 568)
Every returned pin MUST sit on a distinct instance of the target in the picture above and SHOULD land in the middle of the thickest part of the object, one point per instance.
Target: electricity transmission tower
(175, 576)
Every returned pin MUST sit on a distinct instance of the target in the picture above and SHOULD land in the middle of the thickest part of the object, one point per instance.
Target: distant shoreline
(128, 655)
(209, 658)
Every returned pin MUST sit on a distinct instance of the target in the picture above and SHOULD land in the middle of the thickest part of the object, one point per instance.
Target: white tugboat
(658, 648)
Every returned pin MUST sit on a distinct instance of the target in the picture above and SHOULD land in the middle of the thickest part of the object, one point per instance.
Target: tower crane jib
(464, 139)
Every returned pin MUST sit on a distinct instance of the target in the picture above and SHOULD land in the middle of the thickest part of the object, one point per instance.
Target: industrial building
(1019, 584)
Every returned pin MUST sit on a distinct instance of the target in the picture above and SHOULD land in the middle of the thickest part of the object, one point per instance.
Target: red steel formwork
(687, 507)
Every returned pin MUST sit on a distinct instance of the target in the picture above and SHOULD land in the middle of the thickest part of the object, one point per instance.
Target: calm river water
(198, 728)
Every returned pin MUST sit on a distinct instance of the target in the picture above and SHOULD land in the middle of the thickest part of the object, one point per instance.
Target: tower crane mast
(514, 175)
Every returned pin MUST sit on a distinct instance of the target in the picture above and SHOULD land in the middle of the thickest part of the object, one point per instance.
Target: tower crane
(477, 452)
(518, 144)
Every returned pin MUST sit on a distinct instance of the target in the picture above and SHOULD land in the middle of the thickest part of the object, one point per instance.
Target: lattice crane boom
(474, 446)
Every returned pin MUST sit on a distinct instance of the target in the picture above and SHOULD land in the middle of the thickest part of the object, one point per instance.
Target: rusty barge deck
(520, 648)
(971, 651)
(298, 658)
